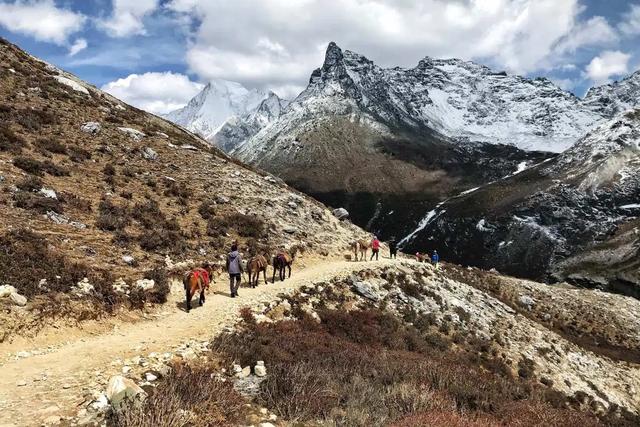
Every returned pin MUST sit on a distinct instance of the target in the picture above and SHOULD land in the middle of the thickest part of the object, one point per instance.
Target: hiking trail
(45, 386)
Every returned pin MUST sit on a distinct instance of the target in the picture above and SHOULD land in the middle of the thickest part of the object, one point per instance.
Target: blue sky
(156, 54)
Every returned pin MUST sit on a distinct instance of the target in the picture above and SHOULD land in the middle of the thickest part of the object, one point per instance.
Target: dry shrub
(368, 368)
(9, 141)
(38, 168)
(52, 145)
(76, 202)
(33, 119)
(178, 190)
(38, 203)
(112, 217)
(26, 258)
(191, 396)
(244, 225)
(207, 209)
(160, 232)
(30, 183)
(77, 154)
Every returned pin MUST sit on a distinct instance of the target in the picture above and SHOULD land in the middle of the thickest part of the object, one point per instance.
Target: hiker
(435, 259)
(234, 267)
(393, 249)
(375, 248)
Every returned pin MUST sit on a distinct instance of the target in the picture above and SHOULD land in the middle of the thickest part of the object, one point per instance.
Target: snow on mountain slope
(214, 105)
(238, 129)
(572, 218)
(458, 99)
(614, 98)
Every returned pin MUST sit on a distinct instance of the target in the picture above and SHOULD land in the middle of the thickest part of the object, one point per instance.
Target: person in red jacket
(375, 248)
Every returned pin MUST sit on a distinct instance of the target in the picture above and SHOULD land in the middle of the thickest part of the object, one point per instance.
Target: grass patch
(191, 396)
(369, 368)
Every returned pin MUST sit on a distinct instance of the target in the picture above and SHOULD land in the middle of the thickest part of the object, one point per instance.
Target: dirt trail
(71, 369)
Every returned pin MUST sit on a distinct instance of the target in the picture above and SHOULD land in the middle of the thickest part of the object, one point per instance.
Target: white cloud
(595, 31)
(630, 25)
(154, 92)
(40, 19)
(127, 17)
(279, 42)
(78, 46)
(608, 64)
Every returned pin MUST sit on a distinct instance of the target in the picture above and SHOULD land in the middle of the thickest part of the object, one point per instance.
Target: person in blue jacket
(435, 259)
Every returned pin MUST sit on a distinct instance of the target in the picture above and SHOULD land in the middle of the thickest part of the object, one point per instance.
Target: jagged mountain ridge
(572, 218)
(218, 101)
(238, 129)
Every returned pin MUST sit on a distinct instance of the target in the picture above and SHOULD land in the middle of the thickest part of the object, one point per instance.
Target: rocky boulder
(122, 390)
(341, 213)
(92, 128)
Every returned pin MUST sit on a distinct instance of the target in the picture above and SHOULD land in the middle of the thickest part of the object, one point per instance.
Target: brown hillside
(75, 197)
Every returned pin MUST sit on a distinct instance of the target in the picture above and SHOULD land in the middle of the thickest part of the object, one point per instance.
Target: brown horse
(360, 248)
(256, 265)
(281, 261)
(198, 280)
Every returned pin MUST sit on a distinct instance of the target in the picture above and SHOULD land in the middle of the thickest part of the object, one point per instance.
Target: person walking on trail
(235, 269)
(375, 248)
(393, 249)
(435, 259)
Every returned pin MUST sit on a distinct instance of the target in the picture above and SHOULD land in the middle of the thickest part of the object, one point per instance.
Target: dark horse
(281, 261)
(197, 280)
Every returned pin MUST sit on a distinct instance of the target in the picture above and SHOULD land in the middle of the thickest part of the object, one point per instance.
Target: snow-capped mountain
(458, 99)
(353, 137)
(214, 105)
(575, 217)
(236, 129)
(614, 98)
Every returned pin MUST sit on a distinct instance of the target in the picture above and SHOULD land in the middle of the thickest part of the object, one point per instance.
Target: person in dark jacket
(435, 260)
(234, 267)
(393, 248)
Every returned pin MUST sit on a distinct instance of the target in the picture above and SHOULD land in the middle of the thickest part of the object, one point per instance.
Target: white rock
(145, 284)
(48, 193)
(128, 259)
(121, 389)
(6, 291)
(101, 403)
(83, 288)
(341, 213)
(149, 153)
(92, 128)
(18, 299)
(222, 199)
(150, 377)
(23, 354)
(260, 371)
(72, 84)
(244, 373)
(526, 301)
(21, 383)
(134, 134)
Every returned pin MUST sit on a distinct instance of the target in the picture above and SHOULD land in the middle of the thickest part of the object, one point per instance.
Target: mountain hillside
(91, 187)
(572, 218)
(350, 139)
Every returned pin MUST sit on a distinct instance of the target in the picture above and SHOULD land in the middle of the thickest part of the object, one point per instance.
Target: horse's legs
(201, 296)
(289, 271)
(188, 291)
(282, 272)
(264, 273)
(273, 279)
